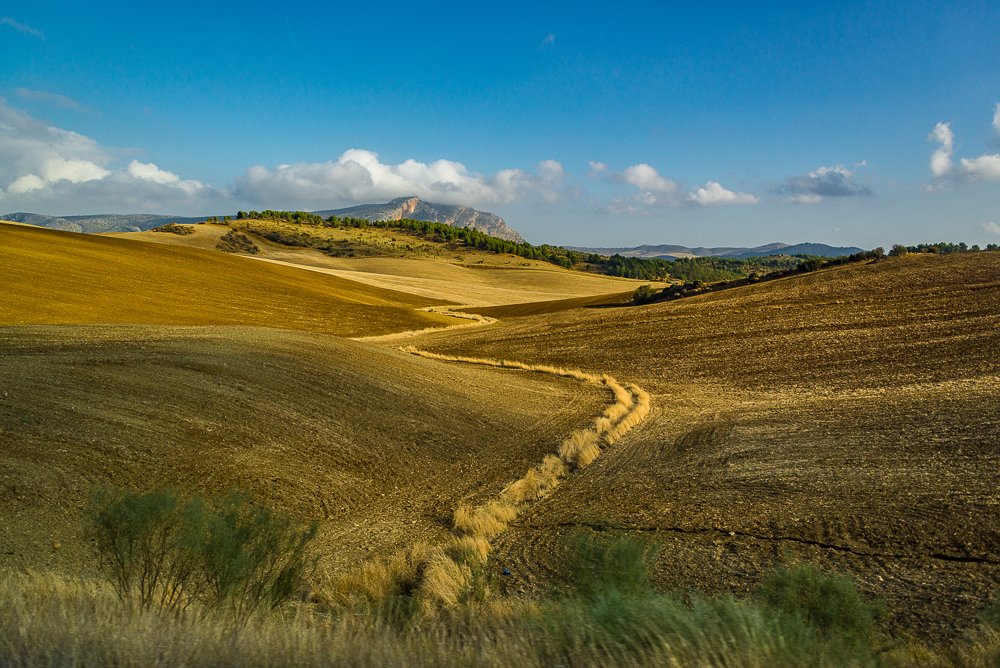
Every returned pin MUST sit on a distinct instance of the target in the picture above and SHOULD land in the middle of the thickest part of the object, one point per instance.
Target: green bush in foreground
(827, 602)
(160, 551)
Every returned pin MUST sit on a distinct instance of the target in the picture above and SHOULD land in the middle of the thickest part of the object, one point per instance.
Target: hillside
(390, 259)
(415, 208)
(62, 278)
(847, 417)
(378, 446)
(98, 223)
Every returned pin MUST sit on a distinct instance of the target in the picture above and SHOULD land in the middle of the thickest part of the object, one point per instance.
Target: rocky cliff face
(417, 209)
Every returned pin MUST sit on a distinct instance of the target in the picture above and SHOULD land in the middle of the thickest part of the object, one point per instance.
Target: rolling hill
(847, 417)
(55, 277)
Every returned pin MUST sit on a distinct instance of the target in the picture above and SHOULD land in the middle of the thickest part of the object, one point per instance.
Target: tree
(898, 250)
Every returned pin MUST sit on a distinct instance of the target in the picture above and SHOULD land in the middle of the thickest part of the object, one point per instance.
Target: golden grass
(52, 277)
(447, 574)
(391, 260)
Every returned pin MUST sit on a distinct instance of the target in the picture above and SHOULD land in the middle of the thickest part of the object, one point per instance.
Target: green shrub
(254, 558)
(159, 550)
(643, 294)
(828, 602)
(603, 564)
(148, 546)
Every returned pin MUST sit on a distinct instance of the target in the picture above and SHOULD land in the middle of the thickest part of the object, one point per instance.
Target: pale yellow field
(463, 276)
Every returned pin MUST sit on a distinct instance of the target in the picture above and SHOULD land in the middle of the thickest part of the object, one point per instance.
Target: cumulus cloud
(991, 228)
(657, 191)
(358, 175)
(55, 99)
(597, 168)
(20, 27)
(985, 167)
(52, 170)
(815, 186)
(941, 158)
(713, 194)
(645, 177)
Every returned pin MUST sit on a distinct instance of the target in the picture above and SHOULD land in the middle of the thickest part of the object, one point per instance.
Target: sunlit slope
(378, 446)
(851, 417)
(424, 268)
(51, 277)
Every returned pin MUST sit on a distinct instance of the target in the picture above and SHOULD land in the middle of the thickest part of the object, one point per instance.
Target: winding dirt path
(446, 571)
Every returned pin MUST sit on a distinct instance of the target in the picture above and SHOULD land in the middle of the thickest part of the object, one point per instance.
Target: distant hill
(417, 209)
(401, 207)
(670, 252)
(101, 222)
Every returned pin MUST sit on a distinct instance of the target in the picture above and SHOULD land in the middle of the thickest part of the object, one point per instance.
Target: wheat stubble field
(849, 418)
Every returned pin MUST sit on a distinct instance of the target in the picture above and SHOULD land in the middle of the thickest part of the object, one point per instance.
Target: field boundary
(447, 573)
(476, 321)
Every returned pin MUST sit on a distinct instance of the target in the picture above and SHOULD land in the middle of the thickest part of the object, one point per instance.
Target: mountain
(670, 252)
(417, 209)
(102, 222)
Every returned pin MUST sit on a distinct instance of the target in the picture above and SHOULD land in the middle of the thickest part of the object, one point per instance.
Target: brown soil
(377, 445)
(849, 417)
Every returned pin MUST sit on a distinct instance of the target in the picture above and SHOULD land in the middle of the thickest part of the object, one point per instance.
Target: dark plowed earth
(849, 417)
(377, 445)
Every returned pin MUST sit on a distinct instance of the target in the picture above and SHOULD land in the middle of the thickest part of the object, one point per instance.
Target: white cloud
(597, 168)
(713, 194)
(548, 39)
(50, 170)
(941, 158)
(983, 168)
(44, 97)
(359, 175)
(20, 27)
(991, 228)
(645, 177)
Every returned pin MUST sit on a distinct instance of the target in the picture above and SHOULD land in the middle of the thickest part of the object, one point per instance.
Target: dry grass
(447, 574)
(390, 260)
(52, 277)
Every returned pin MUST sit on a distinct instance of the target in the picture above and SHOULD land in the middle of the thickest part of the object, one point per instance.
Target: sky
(587, 124)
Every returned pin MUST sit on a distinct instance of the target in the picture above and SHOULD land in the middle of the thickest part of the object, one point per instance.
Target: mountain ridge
(395, 209)
(417, 209)
(672, 251)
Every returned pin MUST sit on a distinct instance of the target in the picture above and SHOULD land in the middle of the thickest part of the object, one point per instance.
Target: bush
(828, 602)
(159, 550)
(898, 250)
(234, 242)
(643, 294)
(610, 564)
(253, 558)
(174, 228)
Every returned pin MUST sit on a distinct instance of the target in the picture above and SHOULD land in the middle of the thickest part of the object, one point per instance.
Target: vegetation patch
(234, 242)
(160, 551)
(174, 228)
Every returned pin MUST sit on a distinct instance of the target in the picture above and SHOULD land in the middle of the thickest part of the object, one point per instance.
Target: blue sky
(583, 124)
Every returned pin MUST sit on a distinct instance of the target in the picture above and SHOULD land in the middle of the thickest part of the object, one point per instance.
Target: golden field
(847, 418)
